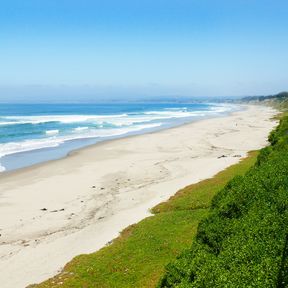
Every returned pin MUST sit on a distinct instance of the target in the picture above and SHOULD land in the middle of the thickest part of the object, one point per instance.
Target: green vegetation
(138, 257)
(244, 240)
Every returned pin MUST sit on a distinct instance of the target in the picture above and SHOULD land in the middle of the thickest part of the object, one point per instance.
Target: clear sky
(153, 47)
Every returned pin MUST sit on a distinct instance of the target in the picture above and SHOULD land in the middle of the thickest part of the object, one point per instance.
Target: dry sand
(52, 212)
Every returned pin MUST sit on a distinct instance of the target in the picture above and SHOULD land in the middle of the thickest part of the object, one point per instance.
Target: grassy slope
(244, 240)
(137, 258)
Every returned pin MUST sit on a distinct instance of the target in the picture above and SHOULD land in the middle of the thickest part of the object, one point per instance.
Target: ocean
(35, 133)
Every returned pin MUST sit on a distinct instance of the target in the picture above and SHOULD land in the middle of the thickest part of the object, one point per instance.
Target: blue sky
(180, 47)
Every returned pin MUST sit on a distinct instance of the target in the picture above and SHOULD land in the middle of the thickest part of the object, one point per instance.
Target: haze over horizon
(90, 49)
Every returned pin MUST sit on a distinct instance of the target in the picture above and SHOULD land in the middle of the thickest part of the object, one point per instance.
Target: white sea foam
(2, 168)
(50, 142)
(118, 120)
(79, 129)
(52, 132)
(66, 119)
(175, 114)
(28, 145)
(8, 123)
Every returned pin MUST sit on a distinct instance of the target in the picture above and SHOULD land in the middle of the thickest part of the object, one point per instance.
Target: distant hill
(279, 100)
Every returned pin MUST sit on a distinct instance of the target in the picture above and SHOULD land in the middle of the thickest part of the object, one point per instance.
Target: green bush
(243, 242)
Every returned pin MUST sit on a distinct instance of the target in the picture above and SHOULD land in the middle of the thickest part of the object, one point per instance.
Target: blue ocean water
(33, 133)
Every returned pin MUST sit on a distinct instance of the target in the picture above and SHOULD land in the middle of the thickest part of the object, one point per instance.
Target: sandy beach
(51, 212)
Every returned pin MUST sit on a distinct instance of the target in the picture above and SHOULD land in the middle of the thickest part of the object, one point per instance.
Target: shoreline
(117, 182)
(114, 138)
